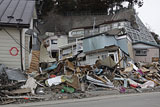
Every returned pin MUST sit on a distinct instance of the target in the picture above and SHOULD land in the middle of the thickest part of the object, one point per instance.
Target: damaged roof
(147, 43)
(121, 15)
(15, 13)
(136, 30)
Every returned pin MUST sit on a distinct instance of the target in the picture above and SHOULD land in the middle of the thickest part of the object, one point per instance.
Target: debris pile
(68, 76)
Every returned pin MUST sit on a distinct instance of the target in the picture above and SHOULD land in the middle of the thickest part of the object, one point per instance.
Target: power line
(18, 42)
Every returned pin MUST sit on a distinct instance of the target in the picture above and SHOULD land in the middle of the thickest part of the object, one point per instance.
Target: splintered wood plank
(34, 66)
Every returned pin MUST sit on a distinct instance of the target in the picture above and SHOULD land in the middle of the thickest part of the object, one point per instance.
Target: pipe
(20, 31)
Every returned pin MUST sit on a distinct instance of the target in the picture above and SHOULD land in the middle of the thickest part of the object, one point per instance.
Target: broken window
(141, 52)
(54, 41)
(54, 54)
(30, 44)
(114, 56)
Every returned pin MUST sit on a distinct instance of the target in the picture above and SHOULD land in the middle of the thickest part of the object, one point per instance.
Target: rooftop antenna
(94, 24)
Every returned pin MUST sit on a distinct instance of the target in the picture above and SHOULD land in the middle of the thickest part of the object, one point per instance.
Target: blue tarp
(51, 68)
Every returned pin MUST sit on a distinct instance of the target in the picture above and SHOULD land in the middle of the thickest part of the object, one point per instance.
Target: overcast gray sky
(150, 14)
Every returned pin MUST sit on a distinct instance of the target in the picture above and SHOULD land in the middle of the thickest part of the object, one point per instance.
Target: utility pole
(94, 24)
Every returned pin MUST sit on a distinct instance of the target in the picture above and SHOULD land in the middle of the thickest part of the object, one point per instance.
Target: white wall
(25, 41)
(6, 43)
(23, 50)
(91, 58)
(61, 41)
(76, 33)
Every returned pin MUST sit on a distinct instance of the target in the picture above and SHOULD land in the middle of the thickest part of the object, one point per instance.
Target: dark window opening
(53, 41)
(30, 44)
(54, 54)
(112, 56)
(84, 58)
(142, 52)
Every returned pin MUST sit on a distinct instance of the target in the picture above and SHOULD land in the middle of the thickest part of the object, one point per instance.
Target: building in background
(102, 45)
(53, 42)
(124, 23)
(145, 52)
(70, 50)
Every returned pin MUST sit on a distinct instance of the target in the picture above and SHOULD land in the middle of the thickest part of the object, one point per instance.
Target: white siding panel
(5, 59)
(7, 48)
(6, 43)
(8, 37)
(26, 52)
(9, 56)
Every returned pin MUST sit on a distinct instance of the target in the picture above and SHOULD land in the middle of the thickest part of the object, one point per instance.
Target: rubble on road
(65, 78)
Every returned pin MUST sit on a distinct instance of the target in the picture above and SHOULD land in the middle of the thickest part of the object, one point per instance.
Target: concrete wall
(54, 22)
(6, 43)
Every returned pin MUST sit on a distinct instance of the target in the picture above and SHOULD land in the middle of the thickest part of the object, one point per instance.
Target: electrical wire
(19, 42)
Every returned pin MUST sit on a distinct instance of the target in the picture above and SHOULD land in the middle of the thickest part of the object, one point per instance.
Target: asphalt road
(130, 100)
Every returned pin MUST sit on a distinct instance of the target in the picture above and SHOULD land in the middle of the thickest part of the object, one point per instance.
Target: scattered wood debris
(66, 76)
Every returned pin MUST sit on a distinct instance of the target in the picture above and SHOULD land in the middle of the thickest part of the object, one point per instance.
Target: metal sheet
(15, 74)
(28, 12)
(93, 43)
(9, 12)
(19, 11)
(3, 7)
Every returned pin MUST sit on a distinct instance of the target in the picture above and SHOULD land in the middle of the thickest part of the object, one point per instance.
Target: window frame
(142, 52)
(54, 41)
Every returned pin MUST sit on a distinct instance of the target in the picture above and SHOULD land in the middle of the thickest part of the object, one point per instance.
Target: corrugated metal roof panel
(27, 14)
(13, 12)
(3, 6)
(9, 12)
(20, 8)
(1, 1)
